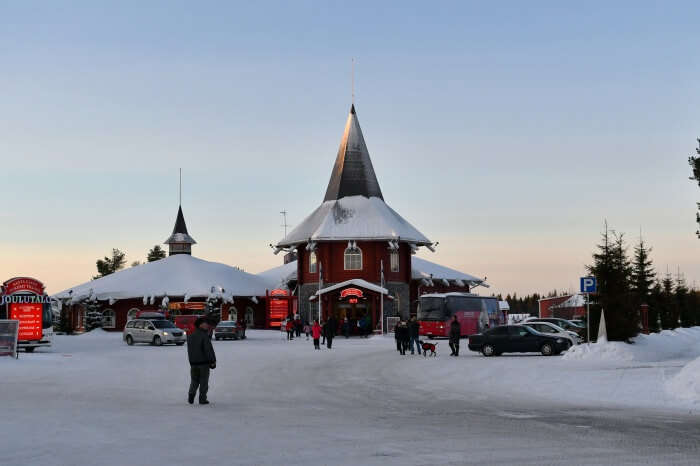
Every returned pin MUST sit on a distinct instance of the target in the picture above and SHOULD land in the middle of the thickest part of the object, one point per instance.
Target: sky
(507, 131)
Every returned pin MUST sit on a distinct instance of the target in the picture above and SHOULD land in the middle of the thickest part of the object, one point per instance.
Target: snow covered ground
(94, 400)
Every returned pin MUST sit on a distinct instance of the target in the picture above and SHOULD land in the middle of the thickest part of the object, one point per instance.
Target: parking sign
(588, 285)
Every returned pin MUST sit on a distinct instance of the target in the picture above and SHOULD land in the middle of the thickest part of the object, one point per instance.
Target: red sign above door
(17, 284)
(356, 292)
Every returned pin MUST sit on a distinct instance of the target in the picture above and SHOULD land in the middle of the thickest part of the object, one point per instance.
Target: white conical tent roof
(177, 275)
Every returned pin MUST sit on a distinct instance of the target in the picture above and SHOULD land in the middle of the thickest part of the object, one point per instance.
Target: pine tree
(109, 265)
(667, 303)
(156, 253)
(643, 275)
(685, 317)
(695, 165)
(613, 272)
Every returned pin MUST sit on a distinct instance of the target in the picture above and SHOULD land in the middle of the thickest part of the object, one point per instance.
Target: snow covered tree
(156, 253)
(613, 273)
(93, 315)
(694, 162)
(109, 265)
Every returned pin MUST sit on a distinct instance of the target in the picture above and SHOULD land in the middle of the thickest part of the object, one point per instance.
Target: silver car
(154, 331)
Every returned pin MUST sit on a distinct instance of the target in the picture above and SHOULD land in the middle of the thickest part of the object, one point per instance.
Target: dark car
(227, 329)
(516, 339)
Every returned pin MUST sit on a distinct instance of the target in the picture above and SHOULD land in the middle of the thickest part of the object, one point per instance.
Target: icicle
(254, 299)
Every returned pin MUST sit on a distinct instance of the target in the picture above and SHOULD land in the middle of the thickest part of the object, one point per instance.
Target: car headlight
(165, 333)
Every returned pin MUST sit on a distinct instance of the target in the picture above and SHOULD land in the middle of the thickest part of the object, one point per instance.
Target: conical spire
(180, 226)
(180, 241)
(353, 174)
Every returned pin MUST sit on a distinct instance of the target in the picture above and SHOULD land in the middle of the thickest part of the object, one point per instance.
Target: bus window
(431, 309)
(463, 304)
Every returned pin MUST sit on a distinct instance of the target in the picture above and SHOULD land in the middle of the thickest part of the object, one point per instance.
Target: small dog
(432, 347)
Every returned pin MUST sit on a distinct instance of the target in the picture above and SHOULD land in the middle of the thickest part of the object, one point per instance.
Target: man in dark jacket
(455, 334)
(404, 337)
(413, 333)
(331, 327)
(202, 359)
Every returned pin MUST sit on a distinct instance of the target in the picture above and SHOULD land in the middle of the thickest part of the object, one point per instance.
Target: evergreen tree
(667, 303)
(156, 253)
(613, 273)
(685, 317)
(695, 165)
(135, 263)
(93, 315)
(643, 275)
(109, 265)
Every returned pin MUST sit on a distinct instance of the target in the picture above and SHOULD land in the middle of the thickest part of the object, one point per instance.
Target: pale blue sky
(507, 132)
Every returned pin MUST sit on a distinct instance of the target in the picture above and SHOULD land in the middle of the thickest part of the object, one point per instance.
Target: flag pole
(320, 286)
(381, 298)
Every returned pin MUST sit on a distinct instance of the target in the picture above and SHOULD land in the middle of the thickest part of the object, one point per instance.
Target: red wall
(546, 303)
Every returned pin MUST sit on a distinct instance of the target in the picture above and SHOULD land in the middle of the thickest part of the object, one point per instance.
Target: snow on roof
(356, 282)
(447, 295)
(179, 275)
(354, 218)
(577, 300)
(278, 277)
(423, 269)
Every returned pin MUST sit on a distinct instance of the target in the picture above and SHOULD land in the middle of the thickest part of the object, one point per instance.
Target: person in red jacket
(316, 334)
(290, 329)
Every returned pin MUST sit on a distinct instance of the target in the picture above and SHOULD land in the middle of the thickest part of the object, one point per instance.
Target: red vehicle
(474, 313)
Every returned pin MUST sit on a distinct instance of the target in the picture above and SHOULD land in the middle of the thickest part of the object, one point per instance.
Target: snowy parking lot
(93, 400)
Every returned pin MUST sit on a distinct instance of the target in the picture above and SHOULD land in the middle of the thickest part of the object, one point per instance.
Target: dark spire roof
(180, 234)
(353, 174)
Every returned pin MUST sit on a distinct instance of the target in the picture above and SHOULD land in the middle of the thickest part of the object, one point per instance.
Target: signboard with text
(354, 292)
(23, 284)
(588, 285)
(29, 316)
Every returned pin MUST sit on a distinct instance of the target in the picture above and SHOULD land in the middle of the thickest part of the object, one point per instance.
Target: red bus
(474, 313)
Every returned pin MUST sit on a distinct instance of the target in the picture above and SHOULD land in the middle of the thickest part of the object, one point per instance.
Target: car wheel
(547, 349)
(180, 343)
(29, 349)
(488, 350)
(157, 341)
(129, 340)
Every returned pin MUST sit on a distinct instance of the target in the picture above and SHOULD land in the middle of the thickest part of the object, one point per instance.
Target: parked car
(228, 330)
(516, 339)
(563, 323)
(555, 331)
(154, 331)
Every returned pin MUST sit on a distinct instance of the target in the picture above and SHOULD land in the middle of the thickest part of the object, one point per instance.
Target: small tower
(180, 242)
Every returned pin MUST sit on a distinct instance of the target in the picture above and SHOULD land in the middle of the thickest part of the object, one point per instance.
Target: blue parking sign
(588, 285)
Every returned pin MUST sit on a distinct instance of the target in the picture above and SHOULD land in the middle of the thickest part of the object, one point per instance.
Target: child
(307, 330)
(316, 334)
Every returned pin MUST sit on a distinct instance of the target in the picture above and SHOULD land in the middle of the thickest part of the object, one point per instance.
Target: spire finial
(352, 81)
(180, 203)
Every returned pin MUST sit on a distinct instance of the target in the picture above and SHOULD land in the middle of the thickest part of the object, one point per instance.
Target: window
(313, 266)
(498, 331)
(249, 316)
(131, 314)
(353, 258)
(232, 313)
(140, 324)
(130, 324)
(109, 319)
(394, 259)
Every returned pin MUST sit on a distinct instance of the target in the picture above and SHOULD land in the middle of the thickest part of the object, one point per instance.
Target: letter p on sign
(588, 285)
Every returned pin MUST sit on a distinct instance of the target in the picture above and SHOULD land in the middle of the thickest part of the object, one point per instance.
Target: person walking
(297, 325)
(307, 330)
(200, 353)
(331, 327)
(413, 334)
(403, 337)
(455, 334)
(324, 328)
(290, 329)
(346, 328)
(316, 334)
(396, 336)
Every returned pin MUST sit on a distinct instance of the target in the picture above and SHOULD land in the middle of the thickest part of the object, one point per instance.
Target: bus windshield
(432, 309)
(464, 304)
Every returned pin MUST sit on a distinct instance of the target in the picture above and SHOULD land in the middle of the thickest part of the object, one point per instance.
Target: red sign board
(196, 306)
(15, 285)
(29, 317)
(356, 292)
(279, 292)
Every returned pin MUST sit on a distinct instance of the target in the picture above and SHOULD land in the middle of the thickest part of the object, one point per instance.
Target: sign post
(381, 299)
(588, 286)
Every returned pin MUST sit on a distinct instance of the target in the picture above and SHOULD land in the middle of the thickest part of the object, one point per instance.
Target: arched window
(109, 319)
(313, 265)
(249, 314)
(353, 258)
(233, 313)
(131, 315)
(394, 259)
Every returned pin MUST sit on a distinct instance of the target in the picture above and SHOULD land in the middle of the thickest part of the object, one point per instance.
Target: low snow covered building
(178, 284)
(572, 306)
(355, 253)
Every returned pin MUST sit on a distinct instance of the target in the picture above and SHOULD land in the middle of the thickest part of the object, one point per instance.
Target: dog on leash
(432, 347)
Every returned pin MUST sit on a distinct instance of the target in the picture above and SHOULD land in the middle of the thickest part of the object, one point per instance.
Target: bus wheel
(29, 349)
(488, 350)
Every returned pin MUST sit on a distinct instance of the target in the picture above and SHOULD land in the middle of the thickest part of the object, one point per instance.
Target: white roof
(278, 277)
(577, 300)
(423, 269)
(356, 282)
(179, 275)
(354, 218)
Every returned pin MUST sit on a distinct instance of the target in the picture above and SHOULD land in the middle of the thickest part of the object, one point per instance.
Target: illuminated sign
(23, 284)
(187, 306)
(29, 317)
(355, 292)
(352, 300)
(279, 292)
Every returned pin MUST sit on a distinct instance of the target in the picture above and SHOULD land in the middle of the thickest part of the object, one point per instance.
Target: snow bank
(668, 345)
(686, 384)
